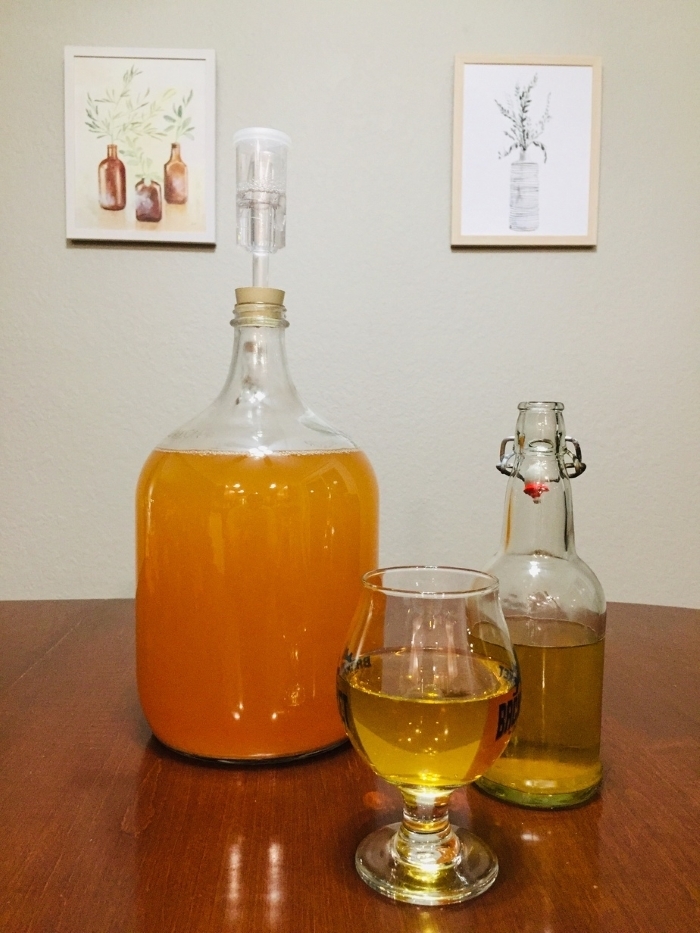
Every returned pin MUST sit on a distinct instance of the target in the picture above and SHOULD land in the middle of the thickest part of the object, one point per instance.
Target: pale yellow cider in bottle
(555, 747)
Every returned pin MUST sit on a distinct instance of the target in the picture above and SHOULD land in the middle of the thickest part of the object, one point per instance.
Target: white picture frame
(140, 141)
(526, 151)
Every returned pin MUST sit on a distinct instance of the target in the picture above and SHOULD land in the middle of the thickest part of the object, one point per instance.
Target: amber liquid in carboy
(249, 573)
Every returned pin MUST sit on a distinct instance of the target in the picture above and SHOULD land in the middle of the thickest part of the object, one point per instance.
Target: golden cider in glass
(427, 738)
(428, 691)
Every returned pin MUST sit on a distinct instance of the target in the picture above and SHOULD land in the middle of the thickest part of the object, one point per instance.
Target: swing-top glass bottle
(555, 610)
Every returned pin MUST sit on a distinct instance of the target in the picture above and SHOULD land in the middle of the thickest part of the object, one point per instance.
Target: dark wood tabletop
(105, 830)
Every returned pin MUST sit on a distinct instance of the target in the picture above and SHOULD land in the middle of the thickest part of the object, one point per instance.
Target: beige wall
(419, 352)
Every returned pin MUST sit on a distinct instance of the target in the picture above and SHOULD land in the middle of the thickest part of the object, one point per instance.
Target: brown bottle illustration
(149, 206)
(175, 172)
(112, 181)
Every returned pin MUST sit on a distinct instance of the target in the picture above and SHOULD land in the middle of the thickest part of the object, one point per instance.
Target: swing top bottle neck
(540, 424)
(539, 513)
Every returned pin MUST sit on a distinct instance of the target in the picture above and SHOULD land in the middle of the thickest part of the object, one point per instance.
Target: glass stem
(425, 839)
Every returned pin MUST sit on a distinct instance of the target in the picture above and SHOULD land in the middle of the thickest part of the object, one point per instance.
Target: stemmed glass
(428, 688)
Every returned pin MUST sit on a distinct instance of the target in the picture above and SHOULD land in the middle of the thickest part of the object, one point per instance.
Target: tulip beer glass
(428, 689)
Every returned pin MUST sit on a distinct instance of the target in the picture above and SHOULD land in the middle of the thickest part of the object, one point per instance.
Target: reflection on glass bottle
(112, 181)
(555, 609)
(175, 174)
(149, 207)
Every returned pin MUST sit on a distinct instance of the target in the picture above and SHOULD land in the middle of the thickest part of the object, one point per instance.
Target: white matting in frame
(140, 144)
(526, 151)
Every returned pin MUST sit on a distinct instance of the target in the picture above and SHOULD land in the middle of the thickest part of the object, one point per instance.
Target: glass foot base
(472, 872)
(536, 801)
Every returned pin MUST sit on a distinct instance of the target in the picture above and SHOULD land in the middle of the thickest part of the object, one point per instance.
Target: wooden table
(104, 830)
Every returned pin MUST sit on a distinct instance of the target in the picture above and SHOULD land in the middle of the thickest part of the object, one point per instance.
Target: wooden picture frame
(526, 151)
(140, 144)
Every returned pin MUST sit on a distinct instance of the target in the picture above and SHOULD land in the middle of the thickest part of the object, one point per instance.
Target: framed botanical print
(140, 139)
(526, 151)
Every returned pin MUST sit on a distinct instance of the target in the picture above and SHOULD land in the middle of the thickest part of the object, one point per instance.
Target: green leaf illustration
(522, 131)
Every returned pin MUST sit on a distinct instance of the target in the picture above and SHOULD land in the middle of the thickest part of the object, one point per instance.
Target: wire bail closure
(570, 457)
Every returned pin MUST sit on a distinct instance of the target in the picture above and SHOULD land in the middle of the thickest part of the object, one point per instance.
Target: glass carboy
(255, 524)
(555, 610)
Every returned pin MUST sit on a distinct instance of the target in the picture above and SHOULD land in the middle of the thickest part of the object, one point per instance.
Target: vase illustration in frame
(155, 109)
(149, 204)
(111, 181)
(522, 133)
(524, 213)
(526, 151)
(175, 176)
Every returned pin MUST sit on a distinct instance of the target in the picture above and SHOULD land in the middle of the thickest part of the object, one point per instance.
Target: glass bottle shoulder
(227, 427)
(259, 410)
(543, 586)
